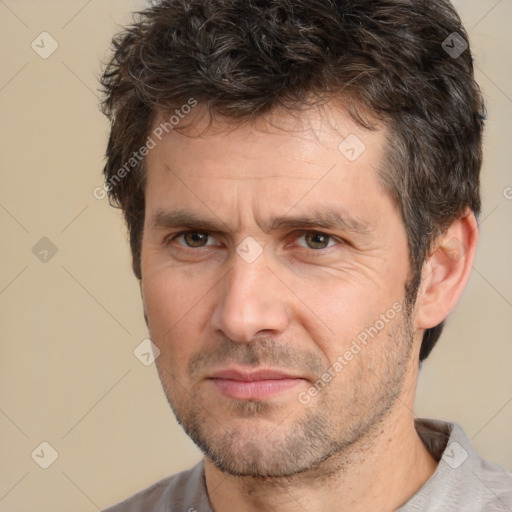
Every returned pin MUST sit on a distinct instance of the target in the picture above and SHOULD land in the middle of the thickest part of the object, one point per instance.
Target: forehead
(281, 144)
(281, 170)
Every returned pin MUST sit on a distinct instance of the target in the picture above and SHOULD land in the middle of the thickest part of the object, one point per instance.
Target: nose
(251, 301)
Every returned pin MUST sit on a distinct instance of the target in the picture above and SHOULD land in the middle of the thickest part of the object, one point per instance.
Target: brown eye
(314, 240)
(194, 239)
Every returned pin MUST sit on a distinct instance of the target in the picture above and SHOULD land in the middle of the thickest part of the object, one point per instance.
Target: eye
(194, 239)
(315, 240)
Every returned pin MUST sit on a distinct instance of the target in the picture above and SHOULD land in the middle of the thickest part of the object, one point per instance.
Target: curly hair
(243, 58)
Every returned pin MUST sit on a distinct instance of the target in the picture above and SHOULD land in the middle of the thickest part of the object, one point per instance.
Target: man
(300, 180)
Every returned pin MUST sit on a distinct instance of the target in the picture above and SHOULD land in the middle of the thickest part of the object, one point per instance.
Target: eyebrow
(320, 219)
(323, 219)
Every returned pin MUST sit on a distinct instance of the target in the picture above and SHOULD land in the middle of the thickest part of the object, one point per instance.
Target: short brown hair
(242, 58)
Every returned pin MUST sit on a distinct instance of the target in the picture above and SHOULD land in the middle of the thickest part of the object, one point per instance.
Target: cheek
(336, 310)
(167, 323)
(166, 290)
(172, 307)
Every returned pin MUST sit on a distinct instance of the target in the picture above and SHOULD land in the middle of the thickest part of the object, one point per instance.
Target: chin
(262, 448)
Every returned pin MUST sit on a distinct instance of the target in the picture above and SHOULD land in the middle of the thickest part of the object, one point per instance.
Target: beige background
(70, 325)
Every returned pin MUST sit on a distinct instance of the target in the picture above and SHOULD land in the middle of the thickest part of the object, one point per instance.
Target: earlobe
(446, 272)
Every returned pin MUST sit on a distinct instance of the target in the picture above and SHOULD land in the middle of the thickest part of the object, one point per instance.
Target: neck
(380, 473)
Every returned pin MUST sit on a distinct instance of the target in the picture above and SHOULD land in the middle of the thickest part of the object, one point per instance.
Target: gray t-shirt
(462, 481)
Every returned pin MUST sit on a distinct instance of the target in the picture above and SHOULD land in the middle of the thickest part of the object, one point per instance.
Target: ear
(143, 304)
(446, 272)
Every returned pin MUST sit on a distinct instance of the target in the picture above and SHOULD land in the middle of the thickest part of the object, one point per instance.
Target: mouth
(253, 385)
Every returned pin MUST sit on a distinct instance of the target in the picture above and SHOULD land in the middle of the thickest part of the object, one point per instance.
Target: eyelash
(298, 234)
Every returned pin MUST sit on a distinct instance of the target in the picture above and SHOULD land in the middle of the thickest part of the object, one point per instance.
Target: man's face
(266, 254)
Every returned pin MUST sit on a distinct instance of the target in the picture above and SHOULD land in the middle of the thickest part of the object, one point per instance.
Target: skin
(296, 308)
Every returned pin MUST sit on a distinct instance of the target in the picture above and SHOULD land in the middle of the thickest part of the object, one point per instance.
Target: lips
(253, 385)
(251, 376)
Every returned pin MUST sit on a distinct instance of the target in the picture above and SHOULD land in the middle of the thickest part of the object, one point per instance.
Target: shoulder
(463, 479)
(183, 492)
(495, 483)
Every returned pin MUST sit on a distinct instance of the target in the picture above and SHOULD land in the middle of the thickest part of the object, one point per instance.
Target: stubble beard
(338, 422)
